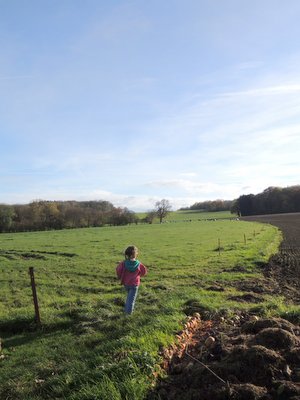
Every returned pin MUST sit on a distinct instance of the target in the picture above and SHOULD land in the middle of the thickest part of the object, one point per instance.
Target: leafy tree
(22, 218)
(122, 216)
(246, 205)
(6, 217)
(234, 209)
(150, 216)
(53, 218)
(37, 216)
(215, 205)
(162, 209)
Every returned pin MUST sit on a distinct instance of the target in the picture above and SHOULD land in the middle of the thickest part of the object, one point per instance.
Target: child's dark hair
(129, 252)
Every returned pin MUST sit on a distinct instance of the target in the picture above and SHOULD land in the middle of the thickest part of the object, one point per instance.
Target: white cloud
(188, 174)
(186, 186)
(265, 91)
(250, 65)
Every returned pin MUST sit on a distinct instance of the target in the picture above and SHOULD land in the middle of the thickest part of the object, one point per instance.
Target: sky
(137, 101)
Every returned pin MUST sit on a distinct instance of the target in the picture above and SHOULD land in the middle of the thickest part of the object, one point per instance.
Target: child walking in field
(129, 272)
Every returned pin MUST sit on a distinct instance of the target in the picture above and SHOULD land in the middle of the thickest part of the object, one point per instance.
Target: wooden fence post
(34, 295)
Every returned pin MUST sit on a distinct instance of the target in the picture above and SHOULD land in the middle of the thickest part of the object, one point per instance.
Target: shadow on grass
(77, 320)
(106, 319)
(193, 306)
(65, 321)
(18, 325)
(19, 331)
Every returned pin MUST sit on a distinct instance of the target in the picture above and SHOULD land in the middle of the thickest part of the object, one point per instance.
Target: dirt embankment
(242, 358)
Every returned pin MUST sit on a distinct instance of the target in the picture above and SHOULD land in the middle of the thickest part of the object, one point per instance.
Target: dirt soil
(283, 269)
(242, 357)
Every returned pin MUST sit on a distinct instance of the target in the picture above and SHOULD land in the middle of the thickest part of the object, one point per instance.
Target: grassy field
(86, 348)
(193, 215)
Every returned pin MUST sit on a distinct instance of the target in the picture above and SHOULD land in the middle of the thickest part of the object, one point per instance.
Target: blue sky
(135, 101)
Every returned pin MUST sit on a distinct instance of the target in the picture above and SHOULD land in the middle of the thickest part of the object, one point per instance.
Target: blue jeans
(132, 292)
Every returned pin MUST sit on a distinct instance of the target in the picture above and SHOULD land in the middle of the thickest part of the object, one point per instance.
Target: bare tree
(162, 208)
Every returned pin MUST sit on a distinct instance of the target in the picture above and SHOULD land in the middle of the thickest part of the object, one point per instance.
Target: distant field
(86, 348)
(194, 215)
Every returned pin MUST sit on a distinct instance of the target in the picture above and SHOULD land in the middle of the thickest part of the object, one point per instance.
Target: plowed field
(284, 267)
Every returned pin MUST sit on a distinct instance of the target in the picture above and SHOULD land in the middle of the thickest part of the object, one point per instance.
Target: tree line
(46, 215)
(43, 215)
(211, 205)
(273, 200)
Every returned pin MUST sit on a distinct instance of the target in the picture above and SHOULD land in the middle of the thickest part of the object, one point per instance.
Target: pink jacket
(130, 278)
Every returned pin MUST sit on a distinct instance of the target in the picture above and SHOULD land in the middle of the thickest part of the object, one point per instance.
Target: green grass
(192, 215)
(195, 215)
(86, 348)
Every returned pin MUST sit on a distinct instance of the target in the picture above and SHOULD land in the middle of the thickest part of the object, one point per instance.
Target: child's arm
(119, 270)
(143, 270)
